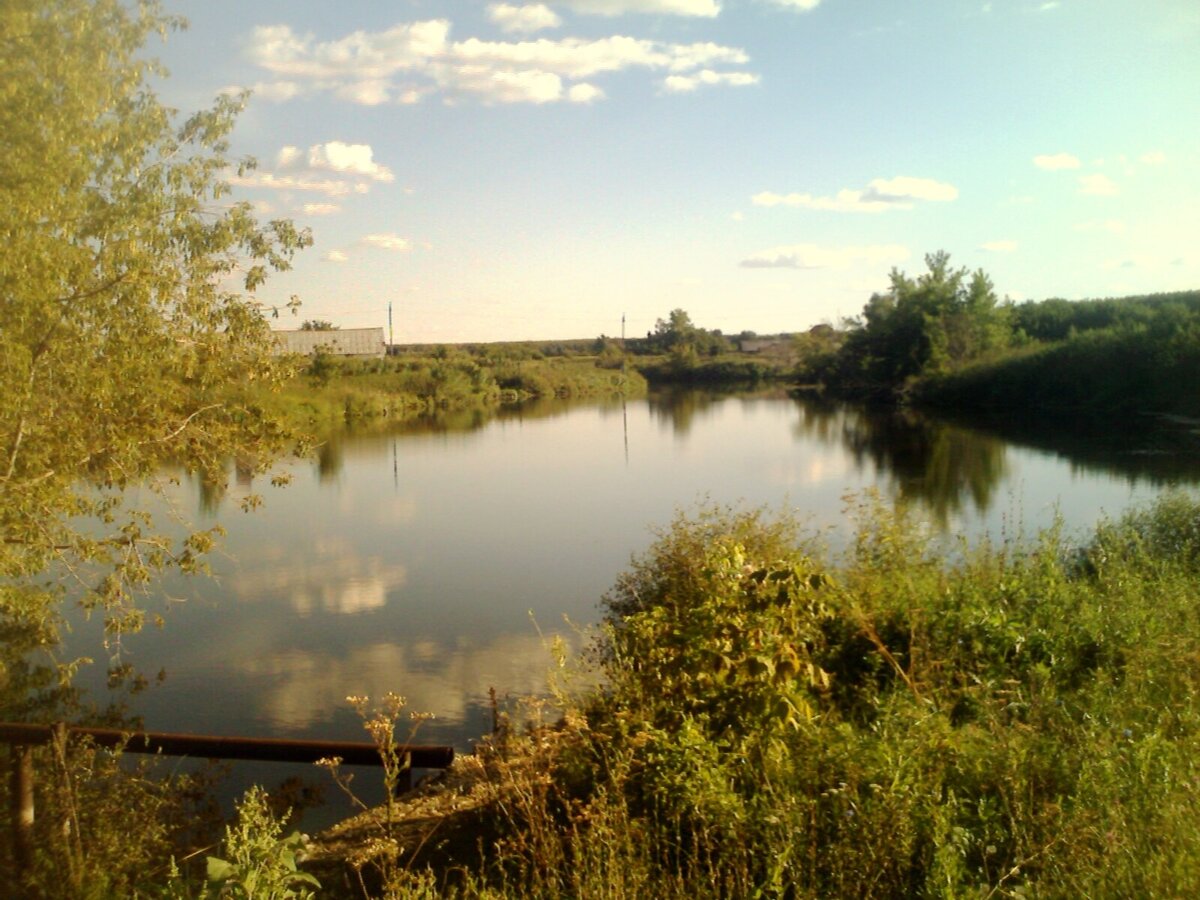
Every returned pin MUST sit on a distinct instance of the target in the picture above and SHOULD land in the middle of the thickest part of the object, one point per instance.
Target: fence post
(21, 758)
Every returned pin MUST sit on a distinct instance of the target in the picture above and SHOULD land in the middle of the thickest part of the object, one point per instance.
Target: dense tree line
(944, 338)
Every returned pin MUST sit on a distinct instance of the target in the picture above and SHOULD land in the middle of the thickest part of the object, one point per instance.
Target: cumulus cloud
(904, 189)
(813, 256)
(353, 159)
(368, 92)
(1052, 162)
(800, 5)
(584, 93)
(683, 83)
(352, 167)
(999, 246)
(1153, 158)
(281, 51)
(387, 241)
(703, 8)
(1097, 186)
(879, 195)
(332, 187)
(276, 91)
(336, 256)
(407, 62)
(321, 209)
(528, 18)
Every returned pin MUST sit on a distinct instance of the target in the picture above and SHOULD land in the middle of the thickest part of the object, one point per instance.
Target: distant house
(365, 342)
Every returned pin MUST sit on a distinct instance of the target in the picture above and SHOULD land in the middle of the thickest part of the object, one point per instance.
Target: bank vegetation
(943, 339)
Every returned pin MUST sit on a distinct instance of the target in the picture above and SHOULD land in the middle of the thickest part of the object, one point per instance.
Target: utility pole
(391, 337)
(622, 347)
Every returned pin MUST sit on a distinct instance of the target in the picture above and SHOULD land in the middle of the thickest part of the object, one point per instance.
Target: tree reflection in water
(930, 462)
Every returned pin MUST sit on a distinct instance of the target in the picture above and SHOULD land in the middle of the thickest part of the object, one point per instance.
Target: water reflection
(332, 578)
(680, 408)
(1156, 450)
(409, 556)
(449, 679)
(945, 464)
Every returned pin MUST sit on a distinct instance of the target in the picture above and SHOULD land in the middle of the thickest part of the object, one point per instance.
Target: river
(439, 560)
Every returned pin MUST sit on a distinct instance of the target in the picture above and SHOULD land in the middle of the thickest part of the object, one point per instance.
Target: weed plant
(1012, 720)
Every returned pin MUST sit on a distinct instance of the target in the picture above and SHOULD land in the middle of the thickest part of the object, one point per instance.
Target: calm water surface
(438, 560)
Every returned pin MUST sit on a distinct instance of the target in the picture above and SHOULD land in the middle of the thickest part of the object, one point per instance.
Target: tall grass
(1009, 720)
(331, 392)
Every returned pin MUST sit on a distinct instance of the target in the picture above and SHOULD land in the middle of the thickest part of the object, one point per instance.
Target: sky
(508, 171)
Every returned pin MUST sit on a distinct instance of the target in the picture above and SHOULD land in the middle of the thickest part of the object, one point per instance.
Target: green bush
(995, 721)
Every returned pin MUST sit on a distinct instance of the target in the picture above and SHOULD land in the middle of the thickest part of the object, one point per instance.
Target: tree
(934, 322)
(317, 325)
(675, 330)
(129, 336)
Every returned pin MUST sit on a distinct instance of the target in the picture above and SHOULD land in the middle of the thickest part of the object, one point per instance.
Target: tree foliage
(678, 336)
(923, 325)
(129, 336)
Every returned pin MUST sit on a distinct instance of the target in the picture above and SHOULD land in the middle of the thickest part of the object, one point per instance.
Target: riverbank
(330, 393)
(943, 340)
(1016, 719)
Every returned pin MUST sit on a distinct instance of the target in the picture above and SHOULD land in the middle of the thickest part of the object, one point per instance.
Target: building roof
(339, 342)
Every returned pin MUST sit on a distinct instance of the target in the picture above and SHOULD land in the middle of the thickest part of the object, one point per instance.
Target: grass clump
(1000, 721)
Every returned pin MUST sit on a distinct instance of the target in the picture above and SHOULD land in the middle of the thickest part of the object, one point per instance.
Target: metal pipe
(351, 753)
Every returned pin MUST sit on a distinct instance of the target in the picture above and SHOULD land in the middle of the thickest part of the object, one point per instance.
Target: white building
(366, 342)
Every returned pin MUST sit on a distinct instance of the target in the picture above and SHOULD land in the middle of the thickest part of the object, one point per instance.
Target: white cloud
(580, 58)
(1054, 162)
(738, 216)
(812, 256)
(903, 189)
(504, 86)
(298, 170)
(1153, 158)
(880, 195)
(1112, 226)
(999, 246)
(333, 187)
(360, 55)
(801, 5)
(682, 83)
(1046, 7)
(363, 67)
(1097, 186)
(845, 201)
(346, 159)
(287, 157)
(368, 92)
(276, 91)
(525, 19)
(703, 8)
(336, 256)
(387, 241)
(584, 93)
(321, 209)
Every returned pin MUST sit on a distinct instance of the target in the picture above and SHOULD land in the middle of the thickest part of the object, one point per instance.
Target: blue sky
(508, 171)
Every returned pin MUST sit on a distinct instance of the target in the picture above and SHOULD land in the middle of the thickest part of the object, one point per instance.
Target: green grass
(1013, 720)
(331, 393)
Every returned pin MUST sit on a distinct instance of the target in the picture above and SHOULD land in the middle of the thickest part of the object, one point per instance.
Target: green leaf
(219, 870)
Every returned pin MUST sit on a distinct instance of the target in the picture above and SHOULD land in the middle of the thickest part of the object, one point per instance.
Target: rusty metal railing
(23, 737)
